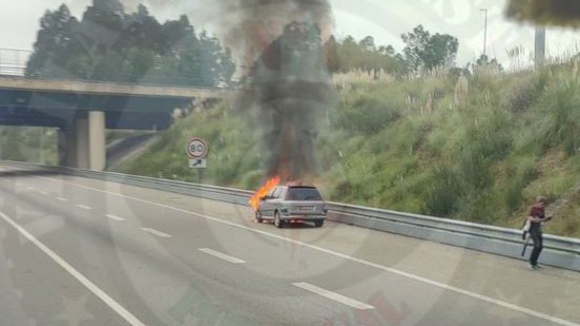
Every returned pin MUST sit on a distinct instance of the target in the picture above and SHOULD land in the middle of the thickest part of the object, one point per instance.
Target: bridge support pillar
(82, 144)
(97, 145)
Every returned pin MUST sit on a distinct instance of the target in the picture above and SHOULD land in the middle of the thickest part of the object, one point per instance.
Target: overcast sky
(385, 20)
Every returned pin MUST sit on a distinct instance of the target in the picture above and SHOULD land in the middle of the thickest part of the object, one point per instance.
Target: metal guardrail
(459, 227)
(558, 251)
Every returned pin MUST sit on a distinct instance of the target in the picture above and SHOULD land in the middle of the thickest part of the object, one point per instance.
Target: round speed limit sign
(196, 148)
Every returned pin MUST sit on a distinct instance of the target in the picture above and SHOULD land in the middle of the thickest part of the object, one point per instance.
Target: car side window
(276, 192)
(282, 193)
(272, 192)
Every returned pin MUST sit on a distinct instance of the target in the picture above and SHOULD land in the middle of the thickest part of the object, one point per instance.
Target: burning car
(287, 203)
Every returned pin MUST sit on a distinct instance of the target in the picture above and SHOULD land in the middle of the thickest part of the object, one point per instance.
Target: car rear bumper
(299, 217)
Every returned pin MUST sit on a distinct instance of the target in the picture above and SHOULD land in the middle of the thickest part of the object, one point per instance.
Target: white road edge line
(157, 233)
(220, 255)
(333, 296)
(474, 295)
(45, 192)
(124, 313)
(84, 207)
(61, 198)
(114, 217)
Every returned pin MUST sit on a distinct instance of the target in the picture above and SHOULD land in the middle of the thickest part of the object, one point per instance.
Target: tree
(387, 50)
(177, 35)
(368, 44)
(349, 54)
(482, 60)
(210, 56)
(364, 55)
(483, 63)
(424, 51)
(109, 6)
(141, 31)
(111, 45)
(54, 36)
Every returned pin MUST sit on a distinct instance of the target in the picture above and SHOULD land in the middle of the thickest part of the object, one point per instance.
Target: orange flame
(263, 191)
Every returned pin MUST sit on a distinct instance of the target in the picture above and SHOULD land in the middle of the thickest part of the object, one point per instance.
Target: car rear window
(303, 194)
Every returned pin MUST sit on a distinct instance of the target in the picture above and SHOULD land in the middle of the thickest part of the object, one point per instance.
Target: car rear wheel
(318, 223)
(258, 216)
(277, 221)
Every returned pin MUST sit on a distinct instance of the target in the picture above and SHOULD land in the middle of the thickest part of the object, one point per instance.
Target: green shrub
(474, 170)
(518, 177)
(409, 134)
(436, 142)
(444, 193)
(563, 105)
(489, 134)
(366, 114)
(252, 180)
(566, 220)
(481, 208)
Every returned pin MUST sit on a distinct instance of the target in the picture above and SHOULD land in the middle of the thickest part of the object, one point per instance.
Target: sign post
(197, 153)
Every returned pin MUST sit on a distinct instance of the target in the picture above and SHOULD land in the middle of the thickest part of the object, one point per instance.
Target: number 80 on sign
(196, 148)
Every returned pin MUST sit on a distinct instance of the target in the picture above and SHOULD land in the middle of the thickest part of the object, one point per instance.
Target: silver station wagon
(285, 204)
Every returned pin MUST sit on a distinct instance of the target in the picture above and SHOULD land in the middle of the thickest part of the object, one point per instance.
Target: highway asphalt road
(77, 251)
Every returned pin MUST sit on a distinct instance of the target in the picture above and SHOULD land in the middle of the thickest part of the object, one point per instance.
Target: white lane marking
(18, 184)
(84, 207)
(30, 188)
(45, 192)
(114, 217)
(130, 318)
(333, 296)
(470, 294)
(61, 198)
(157, 233)
(225, 257)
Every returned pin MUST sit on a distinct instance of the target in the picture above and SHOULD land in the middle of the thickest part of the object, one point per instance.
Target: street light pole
(485, 33)
(540, 47)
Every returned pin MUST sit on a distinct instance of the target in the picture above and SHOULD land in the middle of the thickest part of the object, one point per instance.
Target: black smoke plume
(288, 84)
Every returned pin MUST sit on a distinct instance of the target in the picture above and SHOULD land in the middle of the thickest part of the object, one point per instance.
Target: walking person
(536, 219)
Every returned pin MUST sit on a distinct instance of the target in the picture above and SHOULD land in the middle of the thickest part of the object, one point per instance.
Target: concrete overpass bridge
(83, 110)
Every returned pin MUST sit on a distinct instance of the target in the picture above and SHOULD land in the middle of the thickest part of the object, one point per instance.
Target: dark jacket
(537, 211)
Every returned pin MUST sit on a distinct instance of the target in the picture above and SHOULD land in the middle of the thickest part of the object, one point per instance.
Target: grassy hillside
(31, 144)
(421, 146)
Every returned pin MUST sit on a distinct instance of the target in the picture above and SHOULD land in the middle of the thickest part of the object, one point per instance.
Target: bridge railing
(158, 81)
(13, 62)
(559, 251)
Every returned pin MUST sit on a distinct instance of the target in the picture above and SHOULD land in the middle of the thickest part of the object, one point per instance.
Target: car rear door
(268, 205)
(278, 200)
